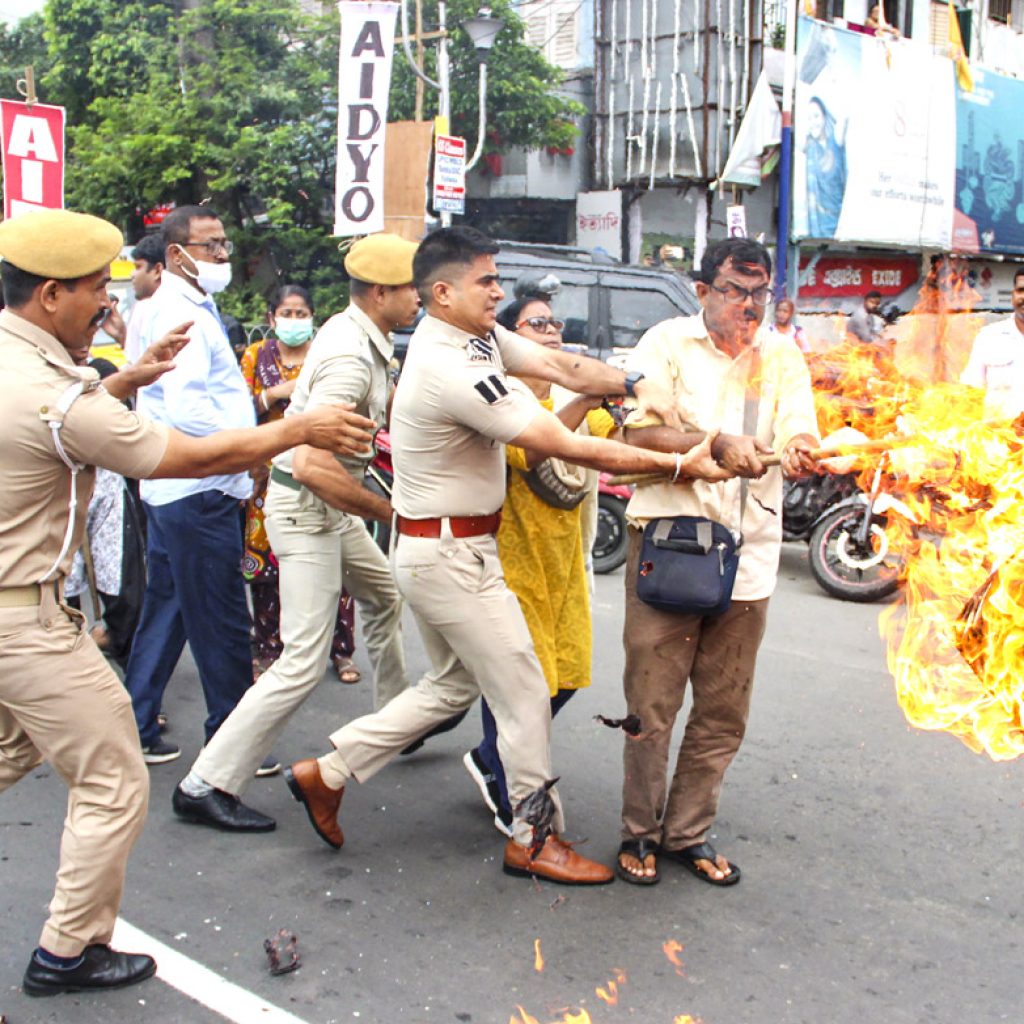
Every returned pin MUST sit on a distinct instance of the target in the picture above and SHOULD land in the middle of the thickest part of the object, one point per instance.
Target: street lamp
(482, 31)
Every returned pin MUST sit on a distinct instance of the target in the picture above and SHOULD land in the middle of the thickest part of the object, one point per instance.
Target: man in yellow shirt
(710, 363)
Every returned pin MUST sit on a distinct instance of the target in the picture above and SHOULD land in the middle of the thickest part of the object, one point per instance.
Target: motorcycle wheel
(842, 568)
(609, 551)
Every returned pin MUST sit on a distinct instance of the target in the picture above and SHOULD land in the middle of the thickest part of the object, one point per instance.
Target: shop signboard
(836, 277)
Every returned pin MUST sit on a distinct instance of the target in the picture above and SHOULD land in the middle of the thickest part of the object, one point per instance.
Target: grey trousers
(319, 551)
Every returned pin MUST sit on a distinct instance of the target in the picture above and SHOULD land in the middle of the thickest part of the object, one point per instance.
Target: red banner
(32, 140)
(838, 276)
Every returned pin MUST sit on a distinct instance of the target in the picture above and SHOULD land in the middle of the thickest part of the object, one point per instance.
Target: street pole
(444, 101)
(786, 154)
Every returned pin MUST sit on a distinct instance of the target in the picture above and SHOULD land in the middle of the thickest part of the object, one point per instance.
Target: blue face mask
(294, 331)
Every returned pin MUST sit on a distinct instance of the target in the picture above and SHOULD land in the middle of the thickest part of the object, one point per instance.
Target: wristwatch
(631, 381)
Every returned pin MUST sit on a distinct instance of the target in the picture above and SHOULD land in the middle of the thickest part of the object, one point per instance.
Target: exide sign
(33, 156)
(840, 276)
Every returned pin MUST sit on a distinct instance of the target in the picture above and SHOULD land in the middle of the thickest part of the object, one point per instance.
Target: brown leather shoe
(321, 802)
(557, 862)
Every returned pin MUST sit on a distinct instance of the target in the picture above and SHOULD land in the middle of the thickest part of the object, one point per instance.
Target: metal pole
(445, 97)
(786, 154)
(482, 126)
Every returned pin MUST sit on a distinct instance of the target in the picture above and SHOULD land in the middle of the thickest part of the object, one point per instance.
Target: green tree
(21, 45)
(233, 102)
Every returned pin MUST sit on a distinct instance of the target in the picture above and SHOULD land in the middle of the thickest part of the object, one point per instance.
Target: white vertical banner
(364, 80)
(599, 221)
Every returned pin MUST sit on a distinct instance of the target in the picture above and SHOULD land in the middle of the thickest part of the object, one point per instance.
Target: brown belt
(20, 597)
(461, 526)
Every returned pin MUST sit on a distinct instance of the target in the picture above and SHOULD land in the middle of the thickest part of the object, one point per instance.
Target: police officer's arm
(336, 486)
(151, 365)
(335, 428)
(581, 374)
(547, 436)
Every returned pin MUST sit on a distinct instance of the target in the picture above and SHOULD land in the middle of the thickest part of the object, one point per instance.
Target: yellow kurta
(541, 553)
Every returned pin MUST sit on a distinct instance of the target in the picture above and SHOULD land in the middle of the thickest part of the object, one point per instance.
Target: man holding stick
(725, 374)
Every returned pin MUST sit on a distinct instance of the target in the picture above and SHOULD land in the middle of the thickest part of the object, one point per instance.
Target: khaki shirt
(35, 371)
(710, 389)
(347, 362)
(452, 416)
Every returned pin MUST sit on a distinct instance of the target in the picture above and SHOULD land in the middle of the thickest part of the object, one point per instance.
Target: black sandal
(689, 855)
(641, 849)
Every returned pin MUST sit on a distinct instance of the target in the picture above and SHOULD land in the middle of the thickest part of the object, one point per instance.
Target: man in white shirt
(195, 590)
(150, 260)
(997, 359)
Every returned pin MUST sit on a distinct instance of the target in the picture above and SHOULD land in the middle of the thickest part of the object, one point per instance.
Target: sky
(12, 10)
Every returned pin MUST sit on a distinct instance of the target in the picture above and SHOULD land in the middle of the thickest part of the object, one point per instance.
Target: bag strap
(751, 406)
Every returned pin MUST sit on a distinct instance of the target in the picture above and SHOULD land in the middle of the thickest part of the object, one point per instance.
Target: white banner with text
(364, 81)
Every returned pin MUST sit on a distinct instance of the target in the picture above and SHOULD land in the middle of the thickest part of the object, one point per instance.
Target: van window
(571, 304)
(634, 310)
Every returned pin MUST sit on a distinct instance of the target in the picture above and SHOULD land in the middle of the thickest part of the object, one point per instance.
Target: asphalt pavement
(880, 868)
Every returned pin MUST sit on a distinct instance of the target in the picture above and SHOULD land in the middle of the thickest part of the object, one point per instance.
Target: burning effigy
(955, 637)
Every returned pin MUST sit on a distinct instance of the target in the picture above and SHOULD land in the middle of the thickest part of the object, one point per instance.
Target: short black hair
(178, 223)
(286, 291)
(742, 251)
(151, 249)
(873, 295)
(18, 284)
(1017, 275)
(444, 248)
(509, 316)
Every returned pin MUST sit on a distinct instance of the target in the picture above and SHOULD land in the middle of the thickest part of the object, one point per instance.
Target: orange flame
(956, 638)
(672, 949)
(610, 992)
(538, 960)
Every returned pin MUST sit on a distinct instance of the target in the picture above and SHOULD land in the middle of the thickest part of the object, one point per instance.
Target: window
(552, 28)
(634, 310)
(1000, 10)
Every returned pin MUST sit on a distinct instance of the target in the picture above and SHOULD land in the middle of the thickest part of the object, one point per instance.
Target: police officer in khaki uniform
(453, 413)
(59, 699)
(315, 508)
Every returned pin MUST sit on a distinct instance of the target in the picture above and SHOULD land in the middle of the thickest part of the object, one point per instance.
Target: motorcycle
(610, 541)
(850, 555)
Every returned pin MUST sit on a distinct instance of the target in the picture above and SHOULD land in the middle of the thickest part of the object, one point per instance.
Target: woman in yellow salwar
(540, 542)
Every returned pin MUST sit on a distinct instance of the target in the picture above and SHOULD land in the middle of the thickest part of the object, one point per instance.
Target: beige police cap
(381, 259)
(58, 243)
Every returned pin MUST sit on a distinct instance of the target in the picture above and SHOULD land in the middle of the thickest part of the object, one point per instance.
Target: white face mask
(211, 277)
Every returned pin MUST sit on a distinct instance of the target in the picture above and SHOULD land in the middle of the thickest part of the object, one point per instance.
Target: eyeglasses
(543, 323)
(736, 296)
(214, 246)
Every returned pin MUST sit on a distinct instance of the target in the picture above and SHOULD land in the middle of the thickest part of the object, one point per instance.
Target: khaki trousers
(663, 651)
(61, 702)
(478, 642)
(318, 551)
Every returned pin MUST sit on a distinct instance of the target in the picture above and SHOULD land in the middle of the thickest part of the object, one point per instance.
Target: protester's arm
(335, 428)
(322, 474)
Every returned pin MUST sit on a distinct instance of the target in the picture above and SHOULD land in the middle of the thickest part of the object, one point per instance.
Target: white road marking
(224, 997)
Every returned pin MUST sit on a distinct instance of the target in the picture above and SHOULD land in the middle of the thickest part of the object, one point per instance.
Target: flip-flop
(641, 849)
(689, 855)
(347, 671)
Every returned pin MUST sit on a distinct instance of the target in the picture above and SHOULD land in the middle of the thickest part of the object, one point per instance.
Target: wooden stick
(774, 459)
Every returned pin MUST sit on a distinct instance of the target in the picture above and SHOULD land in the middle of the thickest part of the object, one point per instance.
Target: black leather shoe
(102, 967)
(220, 810)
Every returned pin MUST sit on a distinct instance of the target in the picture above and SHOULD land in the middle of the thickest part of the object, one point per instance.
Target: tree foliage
(233, 102)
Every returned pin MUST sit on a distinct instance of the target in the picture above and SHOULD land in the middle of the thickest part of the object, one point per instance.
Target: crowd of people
(253, 473)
